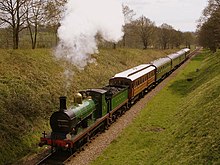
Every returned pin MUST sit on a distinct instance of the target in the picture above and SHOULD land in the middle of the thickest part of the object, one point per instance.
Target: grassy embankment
(31, 82)
(180, 125)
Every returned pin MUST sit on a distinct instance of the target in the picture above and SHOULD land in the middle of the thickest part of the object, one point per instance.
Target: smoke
(68, 75)
(82, 21)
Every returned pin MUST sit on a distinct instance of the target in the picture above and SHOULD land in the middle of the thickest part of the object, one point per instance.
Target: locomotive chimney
(62, 103)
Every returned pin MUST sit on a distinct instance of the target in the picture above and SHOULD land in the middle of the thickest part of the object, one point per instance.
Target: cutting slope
(180, 125)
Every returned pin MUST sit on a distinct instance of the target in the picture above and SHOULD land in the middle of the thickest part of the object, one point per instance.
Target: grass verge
(180, 125)
(31, 82)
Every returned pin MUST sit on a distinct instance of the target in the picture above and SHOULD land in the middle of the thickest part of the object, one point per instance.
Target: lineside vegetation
(31, 83)
(180, 125)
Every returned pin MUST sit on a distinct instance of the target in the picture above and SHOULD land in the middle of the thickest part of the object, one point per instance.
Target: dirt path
(94, 149)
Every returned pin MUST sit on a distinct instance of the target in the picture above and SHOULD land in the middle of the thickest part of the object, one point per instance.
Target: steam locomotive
(94, 110)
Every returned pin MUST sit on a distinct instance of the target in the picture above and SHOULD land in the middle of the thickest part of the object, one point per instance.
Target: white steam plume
(83, 19)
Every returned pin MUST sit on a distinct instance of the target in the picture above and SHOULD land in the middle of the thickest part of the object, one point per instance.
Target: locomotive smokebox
(62, 103)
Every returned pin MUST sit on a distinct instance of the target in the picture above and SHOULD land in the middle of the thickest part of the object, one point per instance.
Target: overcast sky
(180, 14)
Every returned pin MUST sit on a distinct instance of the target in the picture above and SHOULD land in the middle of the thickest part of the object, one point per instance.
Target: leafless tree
(165, 35)
(53, 12)
(12, 14)
(35, 16)
(129, 18)
(145, 29)
(128, 14)
(209, 26)
(209, 32)
(188, 39)
(212, 6)
(176, 38)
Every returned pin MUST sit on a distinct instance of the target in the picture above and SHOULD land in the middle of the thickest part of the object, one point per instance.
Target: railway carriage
(179, 57)
(182, 56)
(176, 59)
(138, 79)
(163, 67)
(187, 51)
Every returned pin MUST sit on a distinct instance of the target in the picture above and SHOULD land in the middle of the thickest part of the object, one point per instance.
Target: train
(94, 110)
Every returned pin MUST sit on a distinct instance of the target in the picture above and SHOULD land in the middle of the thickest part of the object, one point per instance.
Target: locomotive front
(63, 120)
(67, 120)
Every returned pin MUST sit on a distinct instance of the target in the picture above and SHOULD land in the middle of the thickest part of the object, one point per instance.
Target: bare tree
(209, 33)
(128, 14)
(176, 38)
(35, 16)
(129, 17)
(145, 28)
(212, 6)
(188, 38)
(209, 26)
(53, 13)
(13, 15)
(165, 35)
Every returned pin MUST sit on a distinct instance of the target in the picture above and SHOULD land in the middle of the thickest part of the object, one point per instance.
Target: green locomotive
(69, 120)
(90, 108)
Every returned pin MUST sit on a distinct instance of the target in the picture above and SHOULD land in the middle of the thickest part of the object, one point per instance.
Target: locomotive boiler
(76, 116)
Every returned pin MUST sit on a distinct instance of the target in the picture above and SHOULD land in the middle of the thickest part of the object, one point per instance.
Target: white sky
(180, 14)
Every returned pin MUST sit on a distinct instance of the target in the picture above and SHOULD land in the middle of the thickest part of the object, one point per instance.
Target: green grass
(180, 125)
(29, 88)
(31, 82)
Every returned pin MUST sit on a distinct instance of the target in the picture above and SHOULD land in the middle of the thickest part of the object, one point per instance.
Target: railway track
(195, 52)
(55, 158)
(62, 157)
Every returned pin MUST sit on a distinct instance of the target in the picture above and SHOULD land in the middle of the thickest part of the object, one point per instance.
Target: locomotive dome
(78, 98)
